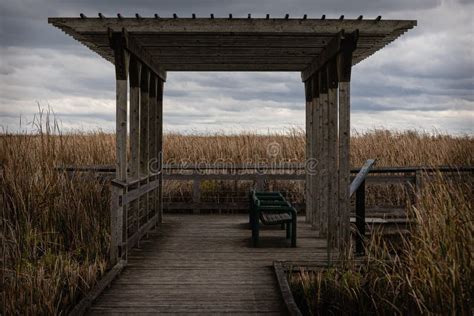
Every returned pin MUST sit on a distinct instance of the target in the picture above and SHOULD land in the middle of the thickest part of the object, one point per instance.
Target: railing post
(196, 195)
(360, 218)
(418, 186)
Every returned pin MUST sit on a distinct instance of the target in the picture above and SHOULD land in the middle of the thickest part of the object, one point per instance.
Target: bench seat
(271, 208)
(275, 218)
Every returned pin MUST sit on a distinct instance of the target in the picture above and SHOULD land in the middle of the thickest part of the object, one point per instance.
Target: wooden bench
(271, 208)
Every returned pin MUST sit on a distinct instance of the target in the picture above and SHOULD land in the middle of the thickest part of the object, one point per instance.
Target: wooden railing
(259, 175)
(129, 192)
(409, 177)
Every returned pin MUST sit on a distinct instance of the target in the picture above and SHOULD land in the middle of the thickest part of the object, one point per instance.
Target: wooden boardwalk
(203, 264)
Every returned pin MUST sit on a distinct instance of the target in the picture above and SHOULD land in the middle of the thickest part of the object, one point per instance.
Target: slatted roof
(232, 44)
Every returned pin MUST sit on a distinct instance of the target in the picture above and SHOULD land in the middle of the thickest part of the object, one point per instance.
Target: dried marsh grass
(432, 274)
(55, 231)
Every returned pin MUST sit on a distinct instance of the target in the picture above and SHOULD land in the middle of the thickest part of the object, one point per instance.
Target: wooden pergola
(143, 50)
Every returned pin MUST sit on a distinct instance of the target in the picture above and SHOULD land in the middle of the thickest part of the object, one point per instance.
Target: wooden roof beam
(226, 25)
(330, 52)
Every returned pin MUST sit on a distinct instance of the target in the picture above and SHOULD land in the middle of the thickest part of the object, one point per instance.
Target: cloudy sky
(424, 80)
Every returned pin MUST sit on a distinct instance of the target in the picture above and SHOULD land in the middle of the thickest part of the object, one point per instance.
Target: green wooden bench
(271, 208)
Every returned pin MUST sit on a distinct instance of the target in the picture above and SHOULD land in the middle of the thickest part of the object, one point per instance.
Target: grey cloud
(416, 81)
(24, 22)
(286, 87)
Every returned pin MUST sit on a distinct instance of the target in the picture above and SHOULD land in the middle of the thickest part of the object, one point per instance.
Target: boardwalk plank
(203, 264)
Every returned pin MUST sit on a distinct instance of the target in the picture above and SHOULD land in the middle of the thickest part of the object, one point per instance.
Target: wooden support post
(344, 68)
(135, 69)
(116, 210)
(117, 43)
(324, 188)
(333, 213)
(153, 145)
(316, 152)
(320, 144)
(308, 178)
(360, 218)
(159, 113)
(344, 160)
(144, 129)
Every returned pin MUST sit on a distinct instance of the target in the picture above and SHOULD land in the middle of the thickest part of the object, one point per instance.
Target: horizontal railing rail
(289, 167)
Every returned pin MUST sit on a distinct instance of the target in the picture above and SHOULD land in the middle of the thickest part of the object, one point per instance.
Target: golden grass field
(55, 232)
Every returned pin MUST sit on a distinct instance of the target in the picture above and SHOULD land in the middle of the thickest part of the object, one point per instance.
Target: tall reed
(432, 274)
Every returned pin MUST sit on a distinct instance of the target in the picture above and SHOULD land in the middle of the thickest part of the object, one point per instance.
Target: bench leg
(283, 226)
(288, 230)
(251, 219)
(293, 232)
(255, 232)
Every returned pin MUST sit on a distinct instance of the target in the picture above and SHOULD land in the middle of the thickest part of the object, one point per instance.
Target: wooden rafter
(224, 44)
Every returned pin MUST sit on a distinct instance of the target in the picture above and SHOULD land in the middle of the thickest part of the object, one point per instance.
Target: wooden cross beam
(135, 48)
(340, 42)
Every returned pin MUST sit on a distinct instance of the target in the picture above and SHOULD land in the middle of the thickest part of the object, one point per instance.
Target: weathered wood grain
(313, 167)
(344, 158)
(333, 171)
(324, 188)
(153, 145)
(144, 139)
(134, 163)
(308, 114)
(121, 76)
